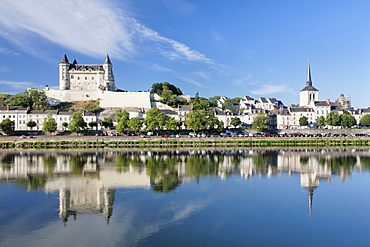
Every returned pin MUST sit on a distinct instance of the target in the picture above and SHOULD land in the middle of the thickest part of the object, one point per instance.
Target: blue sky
(230, 48)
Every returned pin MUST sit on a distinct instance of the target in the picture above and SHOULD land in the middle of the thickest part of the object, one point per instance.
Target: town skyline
(231, 50)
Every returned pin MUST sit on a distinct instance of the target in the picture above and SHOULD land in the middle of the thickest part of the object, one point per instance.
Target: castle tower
(108, 75)
(309, 93)
(64, 83)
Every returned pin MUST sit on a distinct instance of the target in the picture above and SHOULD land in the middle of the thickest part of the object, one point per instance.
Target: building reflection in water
(86, 181)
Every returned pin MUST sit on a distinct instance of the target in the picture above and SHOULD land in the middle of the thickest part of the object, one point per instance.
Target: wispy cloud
(272, 89)
(18, 84)
(243, 81)
(158, 67)
(181, 7)
(8, 51)
(189, 80)
(91, 27)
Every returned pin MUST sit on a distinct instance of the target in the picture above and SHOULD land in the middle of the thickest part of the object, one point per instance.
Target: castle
(82, 82)
(74, 76)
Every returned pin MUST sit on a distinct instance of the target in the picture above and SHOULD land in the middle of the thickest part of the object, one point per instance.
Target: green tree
(321, 121)
(200, 103)
(303, 121)
(31, 124)
(122, 117)
(7, 126)
(93, 106)
(77, 123)
(50, 125)
(333, 118)
(35, 99)
(235, 121)
(347, 120)
(93, 124)
(229, 103)
(65, 125)
(172, 124)
(155, 119)
(365, 120)
(159, 87)
(135, 124)
(198, 120)
(261, 122)
(107, 123)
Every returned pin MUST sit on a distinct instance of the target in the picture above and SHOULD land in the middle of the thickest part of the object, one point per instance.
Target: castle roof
(64, 59)
(107, 60)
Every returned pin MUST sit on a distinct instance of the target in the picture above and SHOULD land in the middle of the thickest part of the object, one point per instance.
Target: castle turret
(64, 83)
(109, 83)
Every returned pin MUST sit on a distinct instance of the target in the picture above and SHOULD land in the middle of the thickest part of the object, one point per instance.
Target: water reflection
(86, 181)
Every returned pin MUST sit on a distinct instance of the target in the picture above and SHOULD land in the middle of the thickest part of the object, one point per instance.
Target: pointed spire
(74, 61)
(107, 60)
(309, 73)
(64, 59)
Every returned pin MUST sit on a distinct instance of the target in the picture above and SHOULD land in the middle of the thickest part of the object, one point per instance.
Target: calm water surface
(185, 198)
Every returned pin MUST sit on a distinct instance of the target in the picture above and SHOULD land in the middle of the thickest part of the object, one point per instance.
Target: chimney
(8, 107)
(328, 101)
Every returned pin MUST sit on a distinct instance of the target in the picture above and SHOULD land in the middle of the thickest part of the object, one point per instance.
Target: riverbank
(46, 142)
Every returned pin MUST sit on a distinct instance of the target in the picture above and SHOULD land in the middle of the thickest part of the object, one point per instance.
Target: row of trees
(335, 119)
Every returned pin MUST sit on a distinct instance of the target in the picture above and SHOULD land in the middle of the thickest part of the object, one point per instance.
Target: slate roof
(301, 109)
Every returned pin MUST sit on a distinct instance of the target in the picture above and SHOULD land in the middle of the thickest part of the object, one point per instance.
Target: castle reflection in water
(87, 180)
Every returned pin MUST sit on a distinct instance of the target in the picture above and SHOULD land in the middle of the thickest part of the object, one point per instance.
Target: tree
(235, 121)
(93, 106)
(303, 121)
(198, 120)
(35, 99)
(93, 124)
(155, 119)
(122, 117)
(172, 124)
(31, 124)
(50, 125)
(321, 121)
(347, 120)
(365, 120)
(7, 126)
(229, 103)
(200, 103)
(77, 123)
(65, 125)
(333, 118)
(107, 123)
(158, 88)
(135, 124)
(260, 122)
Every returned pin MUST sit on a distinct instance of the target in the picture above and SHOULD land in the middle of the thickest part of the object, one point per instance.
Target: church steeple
(309, 81)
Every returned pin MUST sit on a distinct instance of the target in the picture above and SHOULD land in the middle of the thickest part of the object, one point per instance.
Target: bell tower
(309, 93)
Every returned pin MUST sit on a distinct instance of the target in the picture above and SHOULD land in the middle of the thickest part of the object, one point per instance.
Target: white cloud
(181, 7)
(158, 67)
(272, 89)
(189, 80)
(243, 81)
(91, 27)
(18, 84)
